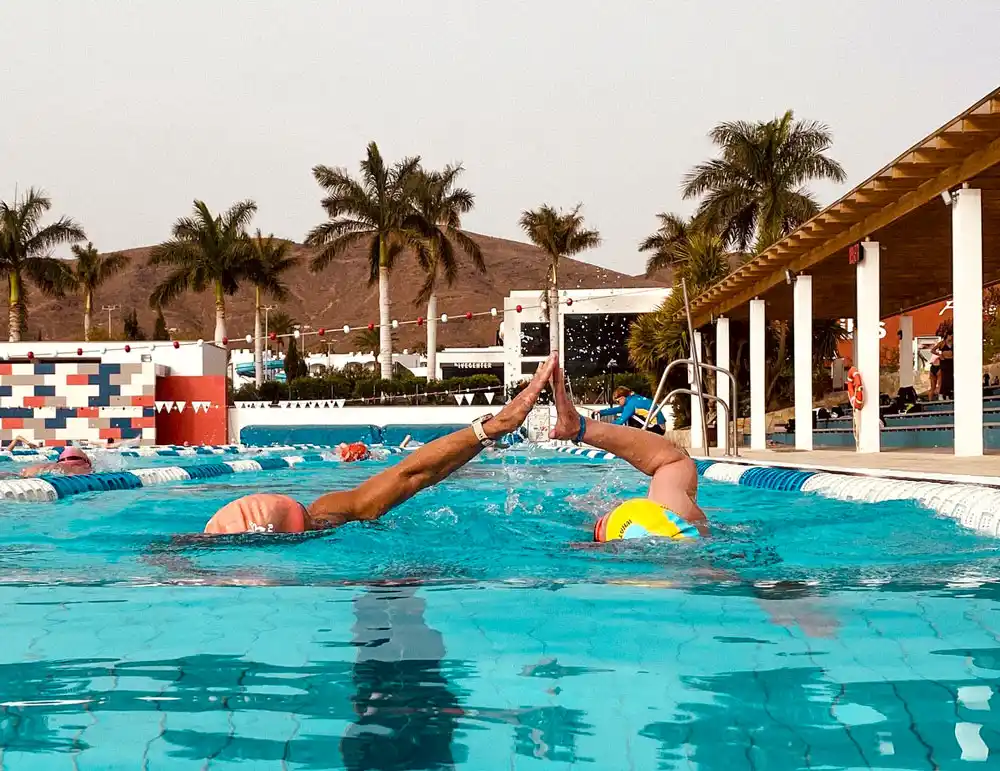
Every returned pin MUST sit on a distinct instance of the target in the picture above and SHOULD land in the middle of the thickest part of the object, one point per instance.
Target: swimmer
(424, 467)
(71, 461)
(20, 441)
(353, 452)
(674, 484)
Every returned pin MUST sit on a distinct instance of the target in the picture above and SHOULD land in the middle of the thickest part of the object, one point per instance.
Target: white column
(967, 284)
(723, 388)
(696, 426)
(866, 346)
(802, 362)
(758, 418)
(905, 351)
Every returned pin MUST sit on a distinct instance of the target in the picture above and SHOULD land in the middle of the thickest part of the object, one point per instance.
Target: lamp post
(110, 309)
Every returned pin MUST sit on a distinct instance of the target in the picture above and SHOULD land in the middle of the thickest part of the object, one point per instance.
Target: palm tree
(281, 325)
(667, 243)
(26, 252)
(377, 208)
(366, 339)
(270, 259)
(753, 193)
(206, 251)
(559, 235)
(89, 271)
(442, 205)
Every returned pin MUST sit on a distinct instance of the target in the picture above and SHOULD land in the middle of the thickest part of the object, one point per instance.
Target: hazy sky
(126, 111)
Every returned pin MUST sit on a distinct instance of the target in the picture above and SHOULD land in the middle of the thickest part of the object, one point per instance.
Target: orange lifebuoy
(855, 388)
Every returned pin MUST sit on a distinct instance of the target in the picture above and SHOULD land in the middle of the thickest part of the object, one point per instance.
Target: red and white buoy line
(488, 392)
(320, 332)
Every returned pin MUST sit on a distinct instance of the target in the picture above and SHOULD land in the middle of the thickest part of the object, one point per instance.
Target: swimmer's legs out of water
(674, 482)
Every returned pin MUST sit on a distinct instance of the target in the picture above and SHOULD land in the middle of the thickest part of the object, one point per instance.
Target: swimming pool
(472, 629)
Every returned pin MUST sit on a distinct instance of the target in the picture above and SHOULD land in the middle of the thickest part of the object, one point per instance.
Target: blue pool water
(474, 628)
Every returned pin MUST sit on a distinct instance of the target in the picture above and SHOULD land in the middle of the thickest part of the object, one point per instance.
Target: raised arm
(674, 476)
(426, 466)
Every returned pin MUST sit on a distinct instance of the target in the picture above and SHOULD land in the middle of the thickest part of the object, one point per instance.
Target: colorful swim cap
(640, 518)
(259, 513)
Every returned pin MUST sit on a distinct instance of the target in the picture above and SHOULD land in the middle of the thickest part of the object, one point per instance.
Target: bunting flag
(489, 397)
(468, 398)
(180, 406)
(204, 406)
(164, 406)
(340, 402)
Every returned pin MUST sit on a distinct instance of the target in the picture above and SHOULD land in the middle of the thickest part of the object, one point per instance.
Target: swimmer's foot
(567, 418)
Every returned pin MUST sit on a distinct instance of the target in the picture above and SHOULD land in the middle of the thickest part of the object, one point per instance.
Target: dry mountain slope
(336, 296)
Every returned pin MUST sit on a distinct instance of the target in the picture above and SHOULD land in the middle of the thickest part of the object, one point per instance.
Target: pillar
(696, 424)
(723, 388)
(906, 351)
(866, 345)
(758, 418)
(967, 285)
(803, 362)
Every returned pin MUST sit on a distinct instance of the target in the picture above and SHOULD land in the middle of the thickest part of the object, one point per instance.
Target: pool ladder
(732, 434)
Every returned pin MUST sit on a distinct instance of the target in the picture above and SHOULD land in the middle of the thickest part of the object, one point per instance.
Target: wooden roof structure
(900, 207)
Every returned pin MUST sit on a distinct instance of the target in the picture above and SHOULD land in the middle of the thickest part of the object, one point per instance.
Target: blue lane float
(974, 506)
(51, 488)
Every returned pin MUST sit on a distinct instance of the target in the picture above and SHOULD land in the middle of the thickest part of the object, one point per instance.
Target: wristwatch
(477, 426)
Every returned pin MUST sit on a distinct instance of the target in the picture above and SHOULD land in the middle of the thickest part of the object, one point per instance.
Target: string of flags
(321, 332)
(465, 397)
(166, 406)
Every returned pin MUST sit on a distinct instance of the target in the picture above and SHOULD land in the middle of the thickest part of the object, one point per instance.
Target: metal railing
(730, 424)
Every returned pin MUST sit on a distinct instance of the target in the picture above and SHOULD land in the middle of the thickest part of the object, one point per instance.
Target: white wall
(188, 359)
(241, 417)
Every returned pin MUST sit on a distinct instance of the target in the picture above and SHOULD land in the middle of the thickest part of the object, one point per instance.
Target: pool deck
(926, 465)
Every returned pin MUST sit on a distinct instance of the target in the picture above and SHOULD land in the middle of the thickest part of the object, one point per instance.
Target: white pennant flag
(468, 398)
(161, 406)
(489, 397)
(203, 405)
(458, 399)
(180, 406)
(340, 402)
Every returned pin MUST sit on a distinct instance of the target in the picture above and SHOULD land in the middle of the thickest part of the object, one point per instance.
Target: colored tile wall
(56, 402)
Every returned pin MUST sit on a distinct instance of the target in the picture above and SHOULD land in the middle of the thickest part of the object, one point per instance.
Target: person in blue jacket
(632, 410)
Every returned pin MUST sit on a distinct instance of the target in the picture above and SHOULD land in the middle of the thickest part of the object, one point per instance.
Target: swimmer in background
(632, 410)
(72, 461)
(672, 490)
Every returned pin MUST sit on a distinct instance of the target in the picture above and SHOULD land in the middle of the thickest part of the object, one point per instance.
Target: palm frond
(53, 277)
(172, 287)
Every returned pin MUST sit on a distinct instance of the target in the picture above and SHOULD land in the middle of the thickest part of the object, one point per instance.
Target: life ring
(855, 388)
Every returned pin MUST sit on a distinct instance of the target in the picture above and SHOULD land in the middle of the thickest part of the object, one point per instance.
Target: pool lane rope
(974, 506)
(51, 488)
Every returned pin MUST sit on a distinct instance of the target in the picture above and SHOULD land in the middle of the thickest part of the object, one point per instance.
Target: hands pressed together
(514, 414)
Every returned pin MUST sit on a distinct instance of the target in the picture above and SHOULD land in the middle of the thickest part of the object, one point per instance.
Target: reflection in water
(406, 713)
(798, 718)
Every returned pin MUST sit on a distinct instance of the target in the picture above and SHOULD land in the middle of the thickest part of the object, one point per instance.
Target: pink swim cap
(73, 455)
(259, 513)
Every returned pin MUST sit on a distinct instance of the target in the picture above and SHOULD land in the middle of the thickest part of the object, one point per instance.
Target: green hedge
(339, 387)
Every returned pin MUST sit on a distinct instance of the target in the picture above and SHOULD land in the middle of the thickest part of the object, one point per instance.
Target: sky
(126, 112)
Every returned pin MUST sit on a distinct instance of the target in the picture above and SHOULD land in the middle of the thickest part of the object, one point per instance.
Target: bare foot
(567, 418)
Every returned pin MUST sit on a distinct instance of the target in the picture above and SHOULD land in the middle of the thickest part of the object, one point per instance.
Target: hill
(338, 295)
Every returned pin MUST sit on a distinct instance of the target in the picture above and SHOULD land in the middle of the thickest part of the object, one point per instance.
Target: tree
(366, 339)
(206, 251)
(294, 366)
(160, 331)
(26, 253)
(282, 326)
(559, 235)
(668, 243)
(89, 271)
(131, 327)
(270, 259)
(377, 209)
(753, 193)
(441, 205)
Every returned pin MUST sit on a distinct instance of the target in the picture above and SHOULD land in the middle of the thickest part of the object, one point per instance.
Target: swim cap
(354, 451)
(74, 455)
(259, 513)
(639, 518)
